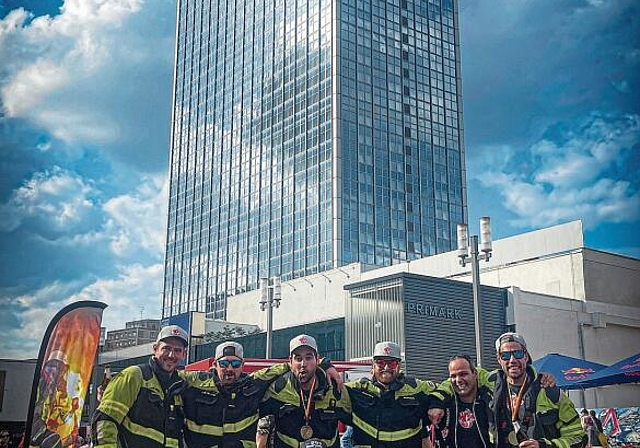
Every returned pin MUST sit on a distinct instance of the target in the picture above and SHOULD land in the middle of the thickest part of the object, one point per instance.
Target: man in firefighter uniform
(142, 407)
(390, 409)
(221, 407)
(526, 415)
(303, 402)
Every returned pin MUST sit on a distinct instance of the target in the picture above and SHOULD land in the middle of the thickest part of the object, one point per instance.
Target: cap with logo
(510, 337)
(303, 340)
(173, 331)
(387, 349)
(229, 348)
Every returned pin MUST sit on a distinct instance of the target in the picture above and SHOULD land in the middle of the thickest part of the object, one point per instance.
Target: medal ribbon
(515, 407)
(307, 406)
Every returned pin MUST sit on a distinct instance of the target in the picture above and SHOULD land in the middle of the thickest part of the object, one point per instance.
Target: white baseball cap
(387, 349)
(173, 331)
(303, 340)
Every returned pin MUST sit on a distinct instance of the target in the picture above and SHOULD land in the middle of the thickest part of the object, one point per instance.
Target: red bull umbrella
(568, 371)
(624, 371)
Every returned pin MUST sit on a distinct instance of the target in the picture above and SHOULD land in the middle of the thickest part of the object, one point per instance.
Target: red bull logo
(632, 365)
(577, 373)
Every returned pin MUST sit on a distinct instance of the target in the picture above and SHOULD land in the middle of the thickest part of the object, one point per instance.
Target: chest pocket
(408, 402)
(148, 409)
(285, 410)
(326, 415)
(202, 407)
(364, 400)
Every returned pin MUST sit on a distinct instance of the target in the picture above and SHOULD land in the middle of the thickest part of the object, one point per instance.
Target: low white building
(16, 380)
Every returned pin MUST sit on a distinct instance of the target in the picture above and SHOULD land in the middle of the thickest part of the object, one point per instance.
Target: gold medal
(306, 432)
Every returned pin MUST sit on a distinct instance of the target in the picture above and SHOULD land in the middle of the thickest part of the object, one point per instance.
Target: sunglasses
(235, 363)
(506, 356)
(391, 363)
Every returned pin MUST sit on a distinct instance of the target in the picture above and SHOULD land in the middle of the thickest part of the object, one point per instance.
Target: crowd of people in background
(593, 428)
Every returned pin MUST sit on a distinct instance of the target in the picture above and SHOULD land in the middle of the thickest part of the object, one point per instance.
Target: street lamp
(270, 296)
(468, 249)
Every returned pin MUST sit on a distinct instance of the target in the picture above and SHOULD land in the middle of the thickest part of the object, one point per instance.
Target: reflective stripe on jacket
(136, 412)
(389, 418)
(225, 416)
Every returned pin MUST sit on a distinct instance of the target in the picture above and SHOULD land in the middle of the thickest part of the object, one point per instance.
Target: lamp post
(468, 251)
(270, 296)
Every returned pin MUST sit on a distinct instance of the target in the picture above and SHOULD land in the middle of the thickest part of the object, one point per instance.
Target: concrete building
(135, 333)
(16, 379)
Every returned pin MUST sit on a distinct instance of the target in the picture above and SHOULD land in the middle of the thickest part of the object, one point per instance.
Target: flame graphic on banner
(62, 375)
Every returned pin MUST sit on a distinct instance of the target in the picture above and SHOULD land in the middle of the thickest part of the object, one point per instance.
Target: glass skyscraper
(309, 134)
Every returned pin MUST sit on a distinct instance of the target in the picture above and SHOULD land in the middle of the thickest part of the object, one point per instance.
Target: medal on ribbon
(306, 431)
(517, 435)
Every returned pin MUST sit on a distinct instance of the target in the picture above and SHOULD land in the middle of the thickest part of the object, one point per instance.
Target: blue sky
(552, 132)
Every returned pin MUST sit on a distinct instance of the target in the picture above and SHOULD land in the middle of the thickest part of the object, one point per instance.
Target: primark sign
(436, 312)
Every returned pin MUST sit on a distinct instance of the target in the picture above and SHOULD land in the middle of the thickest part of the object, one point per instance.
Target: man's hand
(435, 415)
(333, 374)
(547, 380)
(529, 443)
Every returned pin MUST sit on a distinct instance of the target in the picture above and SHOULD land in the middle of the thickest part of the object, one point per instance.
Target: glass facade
(309, 134)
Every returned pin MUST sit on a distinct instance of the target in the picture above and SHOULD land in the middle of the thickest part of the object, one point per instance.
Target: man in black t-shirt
(466, 422)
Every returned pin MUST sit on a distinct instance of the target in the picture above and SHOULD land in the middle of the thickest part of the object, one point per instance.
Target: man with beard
(464, 399)
(390, 409)
(221, 407)
(303, 402)
(142, 407)
(526, 415)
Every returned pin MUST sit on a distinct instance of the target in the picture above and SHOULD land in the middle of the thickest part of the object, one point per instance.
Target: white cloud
(138, 220)
(135, 288)
(91, 74)
(579, 176)
(58, 200)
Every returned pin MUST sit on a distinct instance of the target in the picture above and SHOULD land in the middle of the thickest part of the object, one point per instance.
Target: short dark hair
(472, 366)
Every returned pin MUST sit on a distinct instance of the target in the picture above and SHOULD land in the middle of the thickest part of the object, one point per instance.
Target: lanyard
(307, 405)
(515, 407)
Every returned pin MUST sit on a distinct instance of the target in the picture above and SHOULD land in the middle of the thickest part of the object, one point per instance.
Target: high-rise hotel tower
(309, 134)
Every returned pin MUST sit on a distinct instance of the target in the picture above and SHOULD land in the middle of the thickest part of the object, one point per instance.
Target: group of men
(155, 405)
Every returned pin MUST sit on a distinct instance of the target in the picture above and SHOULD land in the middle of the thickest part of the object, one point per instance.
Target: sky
(552, 134)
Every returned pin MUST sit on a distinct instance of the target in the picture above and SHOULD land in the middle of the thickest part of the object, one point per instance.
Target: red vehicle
(352, 370)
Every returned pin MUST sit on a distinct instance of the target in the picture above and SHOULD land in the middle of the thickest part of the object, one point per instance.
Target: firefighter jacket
(393, 417)
(546, 415)
(284, 402)
(225, 416)
(137, 411)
